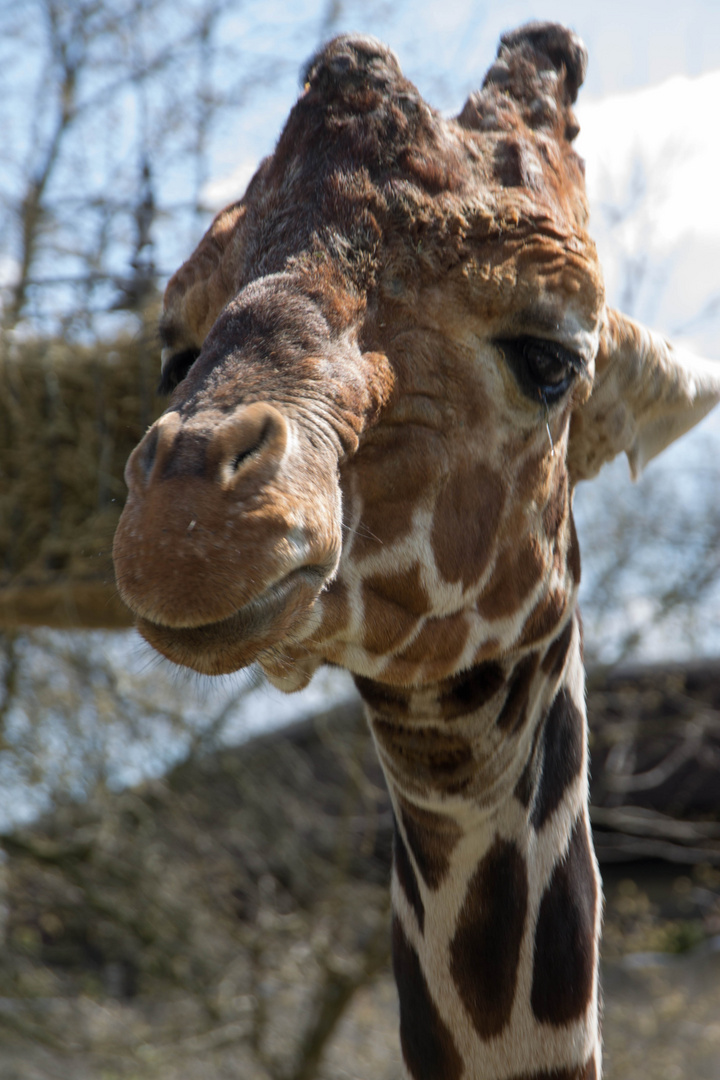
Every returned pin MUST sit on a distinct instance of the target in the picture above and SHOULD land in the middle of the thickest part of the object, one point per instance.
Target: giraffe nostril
(257, 436)
(148, 452)
(152, 451)
(255, 448)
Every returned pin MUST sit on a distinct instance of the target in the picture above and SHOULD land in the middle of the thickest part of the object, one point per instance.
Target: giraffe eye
(175, 369)
(544, 369)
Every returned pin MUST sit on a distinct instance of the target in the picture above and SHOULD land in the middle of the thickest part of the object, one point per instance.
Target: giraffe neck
(495, 885)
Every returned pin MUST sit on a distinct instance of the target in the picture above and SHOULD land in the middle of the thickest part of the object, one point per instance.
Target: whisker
(362, 530)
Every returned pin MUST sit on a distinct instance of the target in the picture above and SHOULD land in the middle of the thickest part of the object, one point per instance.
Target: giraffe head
(389, 363)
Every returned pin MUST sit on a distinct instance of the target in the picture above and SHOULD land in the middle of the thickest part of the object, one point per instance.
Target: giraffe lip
(217, 648)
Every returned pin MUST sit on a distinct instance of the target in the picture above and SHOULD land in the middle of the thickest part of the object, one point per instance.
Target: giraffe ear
(200, 289)
(645, 395)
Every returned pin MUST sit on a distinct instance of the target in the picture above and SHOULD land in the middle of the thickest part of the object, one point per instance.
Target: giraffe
(390, 362)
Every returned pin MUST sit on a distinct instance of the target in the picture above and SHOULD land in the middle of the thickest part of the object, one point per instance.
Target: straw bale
(69, 417)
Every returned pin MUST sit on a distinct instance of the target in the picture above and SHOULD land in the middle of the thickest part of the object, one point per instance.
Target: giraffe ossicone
(367, 354)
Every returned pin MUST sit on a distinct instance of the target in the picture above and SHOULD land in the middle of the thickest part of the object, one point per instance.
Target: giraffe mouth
(218, 648)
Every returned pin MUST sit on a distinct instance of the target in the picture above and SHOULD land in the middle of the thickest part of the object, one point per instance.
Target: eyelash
(536, 361)
(176, 369)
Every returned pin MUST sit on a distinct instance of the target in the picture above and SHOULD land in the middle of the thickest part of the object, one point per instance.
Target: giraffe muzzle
(225, 646)
(219, 552)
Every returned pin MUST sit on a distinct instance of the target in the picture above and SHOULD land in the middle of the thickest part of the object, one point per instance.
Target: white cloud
(651, 166)
(9, 270)
(670, 131)
(9, 276)
(226, 189)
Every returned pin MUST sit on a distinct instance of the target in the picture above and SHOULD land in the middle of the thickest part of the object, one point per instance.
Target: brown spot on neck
(403, 587)
(438, 646)
(517, 572)
(432, 838)
(386, 625)
(546, 616)
(562, 756)
(392, 605)
(485, 951)
(423, 758)
(554, 659)
(383, 698)
(513, 714)
(470, 690)
(429, 1050)
(564, 957)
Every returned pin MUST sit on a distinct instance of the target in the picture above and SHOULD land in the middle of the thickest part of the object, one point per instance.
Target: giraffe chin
(219, 648)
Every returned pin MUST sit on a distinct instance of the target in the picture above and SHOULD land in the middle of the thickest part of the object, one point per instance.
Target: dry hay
(69, 417)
